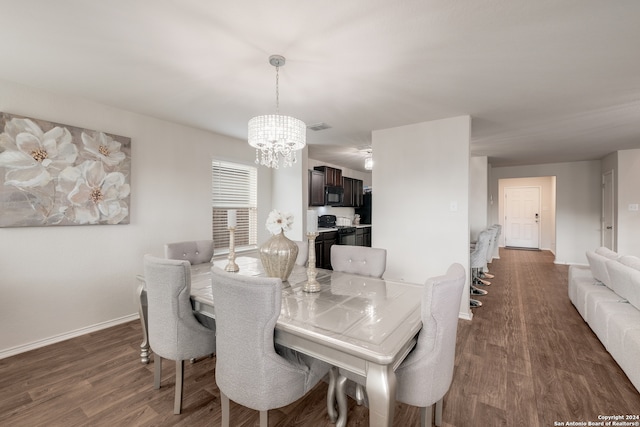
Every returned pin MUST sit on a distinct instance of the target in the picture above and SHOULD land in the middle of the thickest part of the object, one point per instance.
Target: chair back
(478, 257)
(174, 332)
(361, 260)
(194, 251)
(426, 374)
(303, 252)
(493, 236)
(248, 369)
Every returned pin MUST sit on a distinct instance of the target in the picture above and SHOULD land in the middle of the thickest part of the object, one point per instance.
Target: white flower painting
(53, 174)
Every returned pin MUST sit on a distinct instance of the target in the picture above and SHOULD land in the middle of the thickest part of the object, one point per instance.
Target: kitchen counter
(325, 230)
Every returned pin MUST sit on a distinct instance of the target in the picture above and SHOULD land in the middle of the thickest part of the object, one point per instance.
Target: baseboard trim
(67, 335)
(465, 316)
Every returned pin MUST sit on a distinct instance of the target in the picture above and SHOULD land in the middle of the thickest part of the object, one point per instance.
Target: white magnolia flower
(94, 196)
(33, 157)
(103, 148)
(278, 221)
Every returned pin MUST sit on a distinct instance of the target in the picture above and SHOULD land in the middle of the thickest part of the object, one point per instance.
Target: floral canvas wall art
(54, 174)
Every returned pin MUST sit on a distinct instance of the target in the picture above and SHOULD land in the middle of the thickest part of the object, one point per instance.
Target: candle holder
(311, 285)
(232, 267)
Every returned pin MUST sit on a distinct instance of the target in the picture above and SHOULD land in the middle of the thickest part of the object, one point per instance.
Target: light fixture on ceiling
(275, 136)
(368, 163)
(368, 160)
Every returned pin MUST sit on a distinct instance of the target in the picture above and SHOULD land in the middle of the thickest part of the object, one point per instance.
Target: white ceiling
(544, 80)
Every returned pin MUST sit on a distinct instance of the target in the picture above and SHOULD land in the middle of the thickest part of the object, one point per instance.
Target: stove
(346, 234)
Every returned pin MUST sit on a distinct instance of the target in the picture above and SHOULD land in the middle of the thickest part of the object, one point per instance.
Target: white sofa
(607, 296)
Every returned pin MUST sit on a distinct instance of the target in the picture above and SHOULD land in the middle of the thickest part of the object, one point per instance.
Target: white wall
(60, 281)
(478, 194)
(628, 186)
(578, 204)
(421, 208)
(289, 195)
(547, 204)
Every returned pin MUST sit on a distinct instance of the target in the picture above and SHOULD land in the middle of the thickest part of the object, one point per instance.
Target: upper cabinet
(316, 188)
(332, 176)
(326, 176)
(352, 192)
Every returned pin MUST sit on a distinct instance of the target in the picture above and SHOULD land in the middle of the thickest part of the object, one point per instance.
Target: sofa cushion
(629, 360)
(609, 321)
(625, 279)
(584, 287)
(630, 261)
(576, 274)
(597, 317)
(607, 253)
(598, 265)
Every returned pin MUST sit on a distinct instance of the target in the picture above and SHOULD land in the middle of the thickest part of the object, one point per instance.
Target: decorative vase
(278, 255)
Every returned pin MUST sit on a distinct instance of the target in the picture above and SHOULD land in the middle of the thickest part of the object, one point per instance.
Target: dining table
(362, 324)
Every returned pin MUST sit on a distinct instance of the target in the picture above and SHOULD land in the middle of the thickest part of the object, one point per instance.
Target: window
(235, 186)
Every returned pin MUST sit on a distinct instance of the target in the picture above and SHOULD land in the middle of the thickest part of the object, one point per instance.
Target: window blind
(234, 186)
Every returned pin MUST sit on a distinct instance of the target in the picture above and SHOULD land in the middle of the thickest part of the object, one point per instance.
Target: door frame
(612, 210)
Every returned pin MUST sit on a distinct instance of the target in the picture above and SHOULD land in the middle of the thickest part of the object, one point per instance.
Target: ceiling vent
(318, 126)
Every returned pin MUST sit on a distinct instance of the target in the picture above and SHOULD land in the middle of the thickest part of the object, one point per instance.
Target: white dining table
(361, 324)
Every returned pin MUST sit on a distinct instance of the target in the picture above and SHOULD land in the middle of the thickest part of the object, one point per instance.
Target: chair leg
(264, 418)
(157, 376)
(474, 303)
(224, 403)
(426, 416)
(359, 394)
(177, 404)
(439, 413)
(331, 395)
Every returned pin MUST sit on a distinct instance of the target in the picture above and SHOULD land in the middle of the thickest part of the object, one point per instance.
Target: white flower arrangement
(278, 221)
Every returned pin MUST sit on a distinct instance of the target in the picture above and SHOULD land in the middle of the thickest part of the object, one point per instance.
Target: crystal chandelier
(275, 136)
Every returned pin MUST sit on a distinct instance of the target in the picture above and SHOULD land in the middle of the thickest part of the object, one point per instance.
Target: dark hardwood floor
(526, 359)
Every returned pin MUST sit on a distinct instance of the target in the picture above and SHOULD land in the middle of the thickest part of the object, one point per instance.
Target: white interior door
(607, 210)
(522, 217)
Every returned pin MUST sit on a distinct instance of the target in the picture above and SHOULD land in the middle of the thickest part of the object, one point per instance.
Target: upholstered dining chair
(194, 251)
(477, 261)
(363, 261)
(250, 369)
(174, 332)
(303, 252)
(360, 260)
(425, 376)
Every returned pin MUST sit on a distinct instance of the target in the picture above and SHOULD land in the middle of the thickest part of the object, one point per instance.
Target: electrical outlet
(633, 207)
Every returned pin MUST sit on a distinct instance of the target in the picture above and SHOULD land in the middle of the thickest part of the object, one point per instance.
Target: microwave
(333, 196)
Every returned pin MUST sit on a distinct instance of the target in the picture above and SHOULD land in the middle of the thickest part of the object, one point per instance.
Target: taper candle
(231, 218)
(312, 221)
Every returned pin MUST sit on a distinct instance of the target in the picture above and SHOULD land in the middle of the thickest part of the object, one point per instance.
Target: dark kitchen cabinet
(352, 192)
(324, 242)
(316, 188)
(363, 236)
(332, 176)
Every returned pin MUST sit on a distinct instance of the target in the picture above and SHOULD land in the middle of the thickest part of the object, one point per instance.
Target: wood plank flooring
(526, 359)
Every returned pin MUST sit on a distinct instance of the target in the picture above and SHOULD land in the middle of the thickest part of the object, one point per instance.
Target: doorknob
(609, 227)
